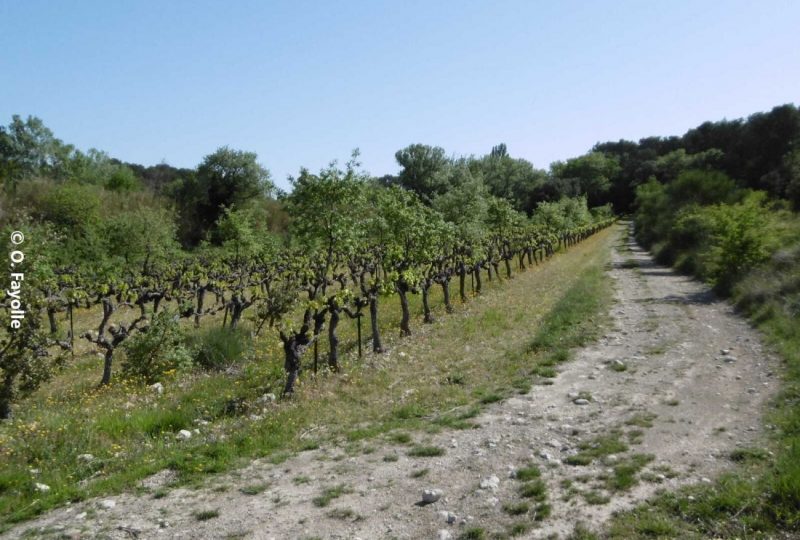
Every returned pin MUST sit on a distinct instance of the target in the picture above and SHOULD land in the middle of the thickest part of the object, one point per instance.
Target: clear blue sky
(302, 83)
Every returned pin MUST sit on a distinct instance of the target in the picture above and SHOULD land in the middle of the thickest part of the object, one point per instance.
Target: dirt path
(658, 384)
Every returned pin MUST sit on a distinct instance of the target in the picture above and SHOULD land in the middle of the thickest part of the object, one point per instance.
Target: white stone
(158, 388)
(42, 488)
(184, 435)
(444, 534)
(108, 504)
(86, 457)
(490, 482)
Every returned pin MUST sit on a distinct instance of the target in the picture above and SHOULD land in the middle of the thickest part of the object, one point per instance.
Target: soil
(678, 376)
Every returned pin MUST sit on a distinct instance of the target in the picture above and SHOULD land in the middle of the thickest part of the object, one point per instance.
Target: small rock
(431, 495)
(661, 477)
(490, 482)
(751, 390)
(553, 443)
(42, 488)
(451, 518)
(573, 395)
(401, 353)
(267, 398)
(444, 534)
(86, 458)
(618, 364)
(453, 443)
(184, 435)
(158, 388)
(570, 430)
(725, 352)
(82, 515)
(545, 455)
(108, 504)
(690, 498)
(581, 401)
(705, 480)
(730, 359)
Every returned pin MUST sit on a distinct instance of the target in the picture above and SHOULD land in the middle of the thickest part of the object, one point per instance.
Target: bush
(219, 348)
(158, 349)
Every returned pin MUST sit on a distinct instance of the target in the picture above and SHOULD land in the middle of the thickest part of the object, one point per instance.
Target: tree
(592, 172)
(224, 179)
(423, 168)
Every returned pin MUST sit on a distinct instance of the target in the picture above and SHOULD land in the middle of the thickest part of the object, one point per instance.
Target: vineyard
(356, 250)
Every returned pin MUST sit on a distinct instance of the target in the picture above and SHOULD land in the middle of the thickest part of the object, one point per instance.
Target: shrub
(219, 348)
(157, 349)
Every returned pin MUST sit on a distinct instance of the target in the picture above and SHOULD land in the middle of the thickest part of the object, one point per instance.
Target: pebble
(581, 401)
(82, 515)
(444, 534)
(431, 495)
(85, 457)
(42, 488)
(490, 482)
(108, 504)
(158, 388)
(553, 443)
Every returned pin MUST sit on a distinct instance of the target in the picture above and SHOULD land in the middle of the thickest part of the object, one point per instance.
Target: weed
(204, 515)
(473, 533)
(595, 497)
(642, 420)
(529, 472)
(426, 451)
(536, 490)
(329, 494)
(254, 489)
(419, 473)
(516, 509)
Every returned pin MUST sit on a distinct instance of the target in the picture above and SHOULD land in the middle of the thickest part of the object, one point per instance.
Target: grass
(529, 472)
(516, 509)
(254, 489)
(595, 497)
(344, 514)
(329, 494)
(426, 451)
(205, 515)
(624, 474)
(536, 490)
(642, 420)
(131, 431)
(419, 473)
(603, 445)
(473, 533)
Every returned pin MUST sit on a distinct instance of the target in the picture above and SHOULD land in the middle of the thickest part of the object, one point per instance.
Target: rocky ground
(676, 384)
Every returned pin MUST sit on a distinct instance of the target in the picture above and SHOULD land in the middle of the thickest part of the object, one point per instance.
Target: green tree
(423, 170)
(592, 172)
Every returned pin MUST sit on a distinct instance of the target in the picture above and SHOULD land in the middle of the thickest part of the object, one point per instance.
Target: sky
(302, 83)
